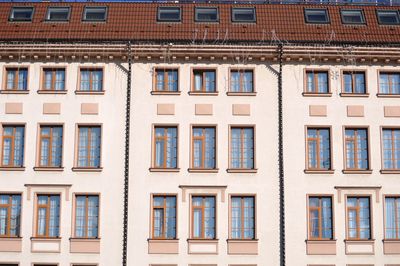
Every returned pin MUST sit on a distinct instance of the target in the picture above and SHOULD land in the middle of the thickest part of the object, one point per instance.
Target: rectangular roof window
(57, 14)
(95, 13)
(352, 17)
(316, 16)
(241, 14)
(206, 14)
(388, 17)
(21, 14)
(169, 13)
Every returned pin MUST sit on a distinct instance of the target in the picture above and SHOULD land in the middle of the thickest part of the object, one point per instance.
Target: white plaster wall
(298, 184)
(108, 182)
(264, 183)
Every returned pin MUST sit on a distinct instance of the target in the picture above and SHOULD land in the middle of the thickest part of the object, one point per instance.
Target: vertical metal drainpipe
(126, 157)
(282, 251)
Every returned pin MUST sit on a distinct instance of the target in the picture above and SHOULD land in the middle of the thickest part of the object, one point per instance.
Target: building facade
(199, 134)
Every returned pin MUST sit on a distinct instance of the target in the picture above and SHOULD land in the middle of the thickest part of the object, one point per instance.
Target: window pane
(352, 17)
(169, 14)
(95, 13)
(206, 14)
(21, 14)
(243, 15)
(388, 17)
(316, 16)
(58, 13)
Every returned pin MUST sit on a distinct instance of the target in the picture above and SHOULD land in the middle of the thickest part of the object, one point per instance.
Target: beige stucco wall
(263, 114)
(108, 183)
(298, 184)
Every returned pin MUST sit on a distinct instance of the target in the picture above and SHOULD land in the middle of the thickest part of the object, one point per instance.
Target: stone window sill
(89, 92)
(198, 93)
(165, 93)
(51, 92)
(87, 169)
(313, 94)
(384, 95)
(5, 168)
(14, 91)
(199, 170)
(309, 171)
(230, 93)
(357, 171)
(48, 169)
(361, 95)
(390, 171)
(173, 170)
(233, 170)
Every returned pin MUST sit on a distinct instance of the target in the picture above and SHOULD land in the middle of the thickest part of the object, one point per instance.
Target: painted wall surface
(263, 184)
(300, 184)
(108, 183)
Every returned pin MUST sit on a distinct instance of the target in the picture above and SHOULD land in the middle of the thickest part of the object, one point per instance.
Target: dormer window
(21, 14)
(352, 17)
(316, 16)
(95, 13)
(388, 17)
(169, 14)
(206, 14)
(241, 14)
(57, 14)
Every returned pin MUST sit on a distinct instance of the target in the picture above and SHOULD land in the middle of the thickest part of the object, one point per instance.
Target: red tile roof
(137, 22)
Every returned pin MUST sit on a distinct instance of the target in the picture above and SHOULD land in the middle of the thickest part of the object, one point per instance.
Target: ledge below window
(321, 247)
(312, 94)
(308, 171)
(4, 168)
(245, 171)
(89, 92)
(163, 246)
(242, 246)
(360, 247)
(391, 246)
(48, 169)
(362, 95)
(14, 91)
(10, 244)
(202, 246)
(45, 245)
(198, 93)
(357, 171)
(51, 92)
(165, 93)
(387, 172)
(231, 93)
(87, 169)
(84, 245)
(173, 170)
(199, 170)
(384, 95)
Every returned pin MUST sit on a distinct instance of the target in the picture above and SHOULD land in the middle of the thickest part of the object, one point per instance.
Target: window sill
(357, 171)
(387, 240)
(89, 239)
(230, 93)
(173, 170)
(89, 92)
(48, 169)
(361, 95)
(45, 238)
(14, 92)
(359, 241)
(384, 95)
(390, 171)
(51, 92)
(165, 93)
(198, 93)
(214, 240)
(232, 170)
(199, 170)
(308, 171)
(87, 169)
(312, 94)
(5, 168)
(320, 240)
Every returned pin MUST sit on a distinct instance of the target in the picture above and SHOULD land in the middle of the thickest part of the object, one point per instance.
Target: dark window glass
(21, 14)
(316, 16)
(57, 14)
(206, 14)
(352, 17)
(95, 13)
(388, 17)
(243, 15)
(169, 14)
